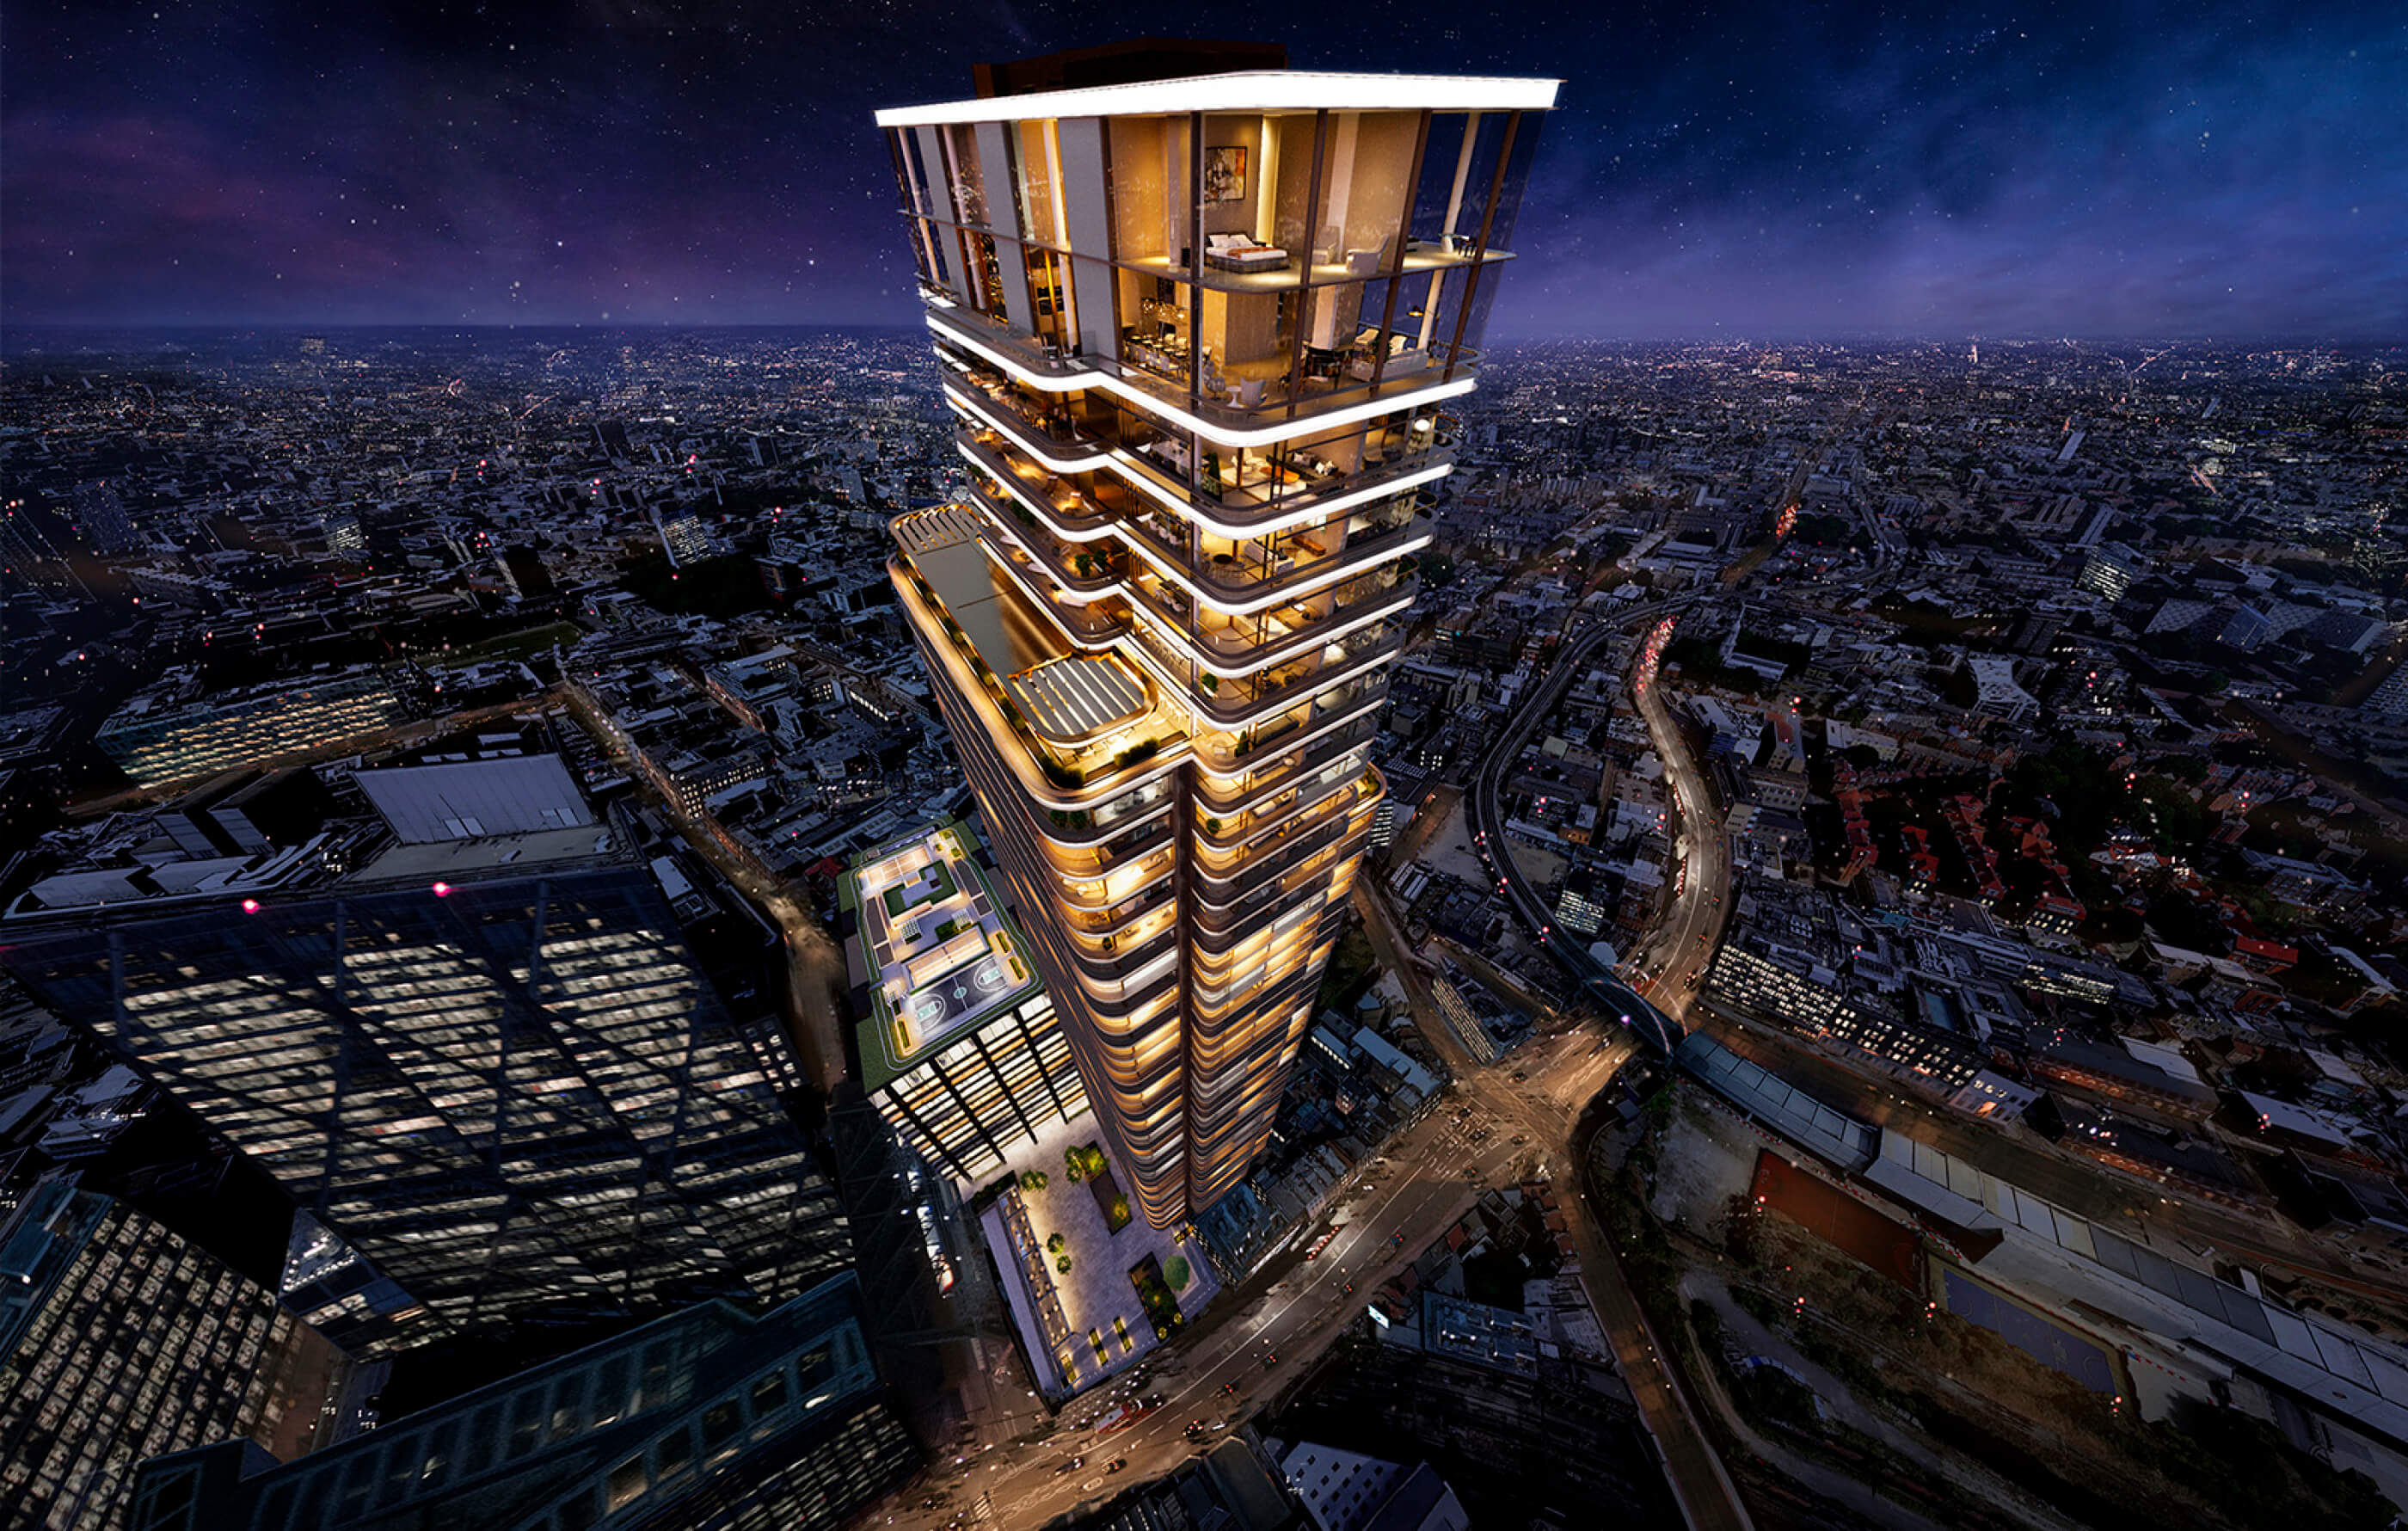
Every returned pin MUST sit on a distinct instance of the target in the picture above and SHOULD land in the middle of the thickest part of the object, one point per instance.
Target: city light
(1092, 840)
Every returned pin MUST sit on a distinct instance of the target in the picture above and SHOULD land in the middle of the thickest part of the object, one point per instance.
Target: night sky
(1761, 170)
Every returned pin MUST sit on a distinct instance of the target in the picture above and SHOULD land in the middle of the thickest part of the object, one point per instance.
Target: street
(1564, 1073)
(1684, 939)
(1290, 1311)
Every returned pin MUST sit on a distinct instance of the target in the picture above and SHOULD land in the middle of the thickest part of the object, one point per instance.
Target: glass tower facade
(511, 1096)
(709, 1420)
(119, 1341)
(1199, 336)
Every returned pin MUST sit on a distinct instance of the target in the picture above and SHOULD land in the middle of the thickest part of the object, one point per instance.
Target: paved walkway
(1097, 1295)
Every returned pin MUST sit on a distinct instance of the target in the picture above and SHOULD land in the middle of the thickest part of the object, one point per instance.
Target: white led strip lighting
(1250, 90)
(1126, 465)
(1262, 436)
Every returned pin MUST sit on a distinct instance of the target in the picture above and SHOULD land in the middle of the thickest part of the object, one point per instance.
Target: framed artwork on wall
(1225, 173)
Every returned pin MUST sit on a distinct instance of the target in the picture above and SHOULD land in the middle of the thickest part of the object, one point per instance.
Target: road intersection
(1496, 1124)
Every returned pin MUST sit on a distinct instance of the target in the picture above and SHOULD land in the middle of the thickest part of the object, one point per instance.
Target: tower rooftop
(1248, 90)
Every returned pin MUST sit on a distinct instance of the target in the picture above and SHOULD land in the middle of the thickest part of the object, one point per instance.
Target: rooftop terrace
(938, 954)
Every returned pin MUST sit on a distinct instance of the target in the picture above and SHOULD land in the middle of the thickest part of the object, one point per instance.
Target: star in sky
(1766, 169)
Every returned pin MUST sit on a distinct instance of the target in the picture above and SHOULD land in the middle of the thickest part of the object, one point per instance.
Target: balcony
(1236, 701)
(1052, 568)
(1071, 830)
(1224, 840)
(1040, 421)
(1026, 491)
(1226, 650)
(1281, 487)
(1284, 483)
(1329, 386)
(1237, 573)
(999, 644)
(1227, 904)
(1231, 751)
(1086, 568)
(1089, 623)
(1277, 769)
(1106, 919)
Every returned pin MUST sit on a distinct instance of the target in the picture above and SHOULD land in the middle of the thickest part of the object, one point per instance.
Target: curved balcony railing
(1295, 563)
(1092, 623)
(1235, 701)
(1087, 826)
(1088, 568)
(1274, 667)
(1215, 942)
(1118, 916)
(1040, 423)
(1106, 973)
(1026, 491)
(1101, 858)
(1218, 858)
(1254, 493)
(1276, 998)
(1222, 836)
(1217, 927)
(1327, 385)
(1105, 890)
(1260, 742)
(1271, 859)
(1260, 488)
(1297, 560)
(1104, 980)
(1281, 769)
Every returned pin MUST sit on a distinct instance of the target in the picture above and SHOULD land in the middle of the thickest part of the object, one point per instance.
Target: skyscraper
(709, 1420)
(489, 1067)
(1198, 333)
(120, 1340)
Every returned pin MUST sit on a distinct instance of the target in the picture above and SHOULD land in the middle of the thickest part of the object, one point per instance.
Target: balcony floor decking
(1009, 635)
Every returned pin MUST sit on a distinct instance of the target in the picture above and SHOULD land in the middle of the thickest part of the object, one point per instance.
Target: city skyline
(2137, 173)
(970, 768)
(1916, 730)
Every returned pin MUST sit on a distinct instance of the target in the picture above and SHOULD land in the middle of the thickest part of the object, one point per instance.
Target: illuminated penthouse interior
(1200, 335)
